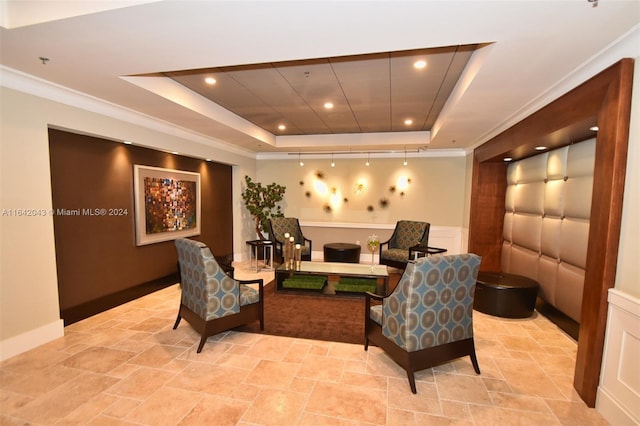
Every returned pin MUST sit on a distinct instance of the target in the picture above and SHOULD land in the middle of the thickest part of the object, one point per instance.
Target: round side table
(342, 252)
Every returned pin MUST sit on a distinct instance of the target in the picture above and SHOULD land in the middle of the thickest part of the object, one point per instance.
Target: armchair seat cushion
(395, 254)
(248, 295)
(375, 313)
(407, 234)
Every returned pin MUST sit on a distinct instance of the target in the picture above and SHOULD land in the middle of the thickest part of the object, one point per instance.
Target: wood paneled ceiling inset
(370, 93)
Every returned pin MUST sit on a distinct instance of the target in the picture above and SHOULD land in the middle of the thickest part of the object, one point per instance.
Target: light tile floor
(127, 366)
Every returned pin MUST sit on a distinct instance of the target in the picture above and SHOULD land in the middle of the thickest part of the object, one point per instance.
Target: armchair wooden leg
(412, 381)
(201, 345)
(177, 322)
(474, 361)
(366, 343)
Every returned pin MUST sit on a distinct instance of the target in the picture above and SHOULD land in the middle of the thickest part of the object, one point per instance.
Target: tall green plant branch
(261, 201)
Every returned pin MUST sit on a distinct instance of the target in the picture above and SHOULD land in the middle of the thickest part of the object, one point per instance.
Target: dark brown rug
(310, 315)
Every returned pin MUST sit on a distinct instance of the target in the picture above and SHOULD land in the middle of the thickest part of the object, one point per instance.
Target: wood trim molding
(605, 100)
(604, 228)
(486, 219)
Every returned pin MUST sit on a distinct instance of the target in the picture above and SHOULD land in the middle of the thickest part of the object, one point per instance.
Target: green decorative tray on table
(312, 282)
(356, 285)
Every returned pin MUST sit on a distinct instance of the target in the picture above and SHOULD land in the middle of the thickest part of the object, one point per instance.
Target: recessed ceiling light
(540, 148)
(281, 127)
(507, 159)
(420, 64)
(210, 80)
(127, 142)
(408, 122)
(328, 105)
(594, 128)
(174, 152)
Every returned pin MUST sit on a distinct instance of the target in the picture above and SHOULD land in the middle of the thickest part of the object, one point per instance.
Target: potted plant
(261, 201)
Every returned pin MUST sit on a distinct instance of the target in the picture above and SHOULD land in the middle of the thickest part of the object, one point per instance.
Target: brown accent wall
(604, 100)
(97, 256)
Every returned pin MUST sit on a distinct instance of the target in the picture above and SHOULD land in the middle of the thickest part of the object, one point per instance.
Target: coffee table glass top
(357, 269)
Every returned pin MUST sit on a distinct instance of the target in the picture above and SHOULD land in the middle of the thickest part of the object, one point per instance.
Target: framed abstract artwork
(167, 204)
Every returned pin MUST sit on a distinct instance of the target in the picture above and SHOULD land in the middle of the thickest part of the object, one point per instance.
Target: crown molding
(26, 83)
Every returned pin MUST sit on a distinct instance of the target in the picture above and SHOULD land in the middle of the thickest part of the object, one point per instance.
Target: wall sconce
(402, 183)
(321, 188)
(300, 160)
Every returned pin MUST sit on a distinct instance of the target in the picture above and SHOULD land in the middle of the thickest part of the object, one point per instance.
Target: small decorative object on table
(289, 251)
(285, 251)
(372, 245)
(298, 256)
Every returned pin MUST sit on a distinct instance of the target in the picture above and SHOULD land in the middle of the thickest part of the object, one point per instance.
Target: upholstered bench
(505, 295)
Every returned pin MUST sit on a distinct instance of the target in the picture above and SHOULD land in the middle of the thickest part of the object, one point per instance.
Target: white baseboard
(618, 398)
(607, 405)
(23, 342)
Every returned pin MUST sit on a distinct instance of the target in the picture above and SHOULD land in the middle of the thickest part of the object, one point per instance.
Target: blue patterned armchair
(407, 236)
(211, 300)
(428, 319)
(278, 226)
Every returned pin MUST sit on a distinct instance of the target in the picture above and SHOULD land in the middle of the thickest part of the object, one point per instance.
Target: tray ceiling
(368, 93)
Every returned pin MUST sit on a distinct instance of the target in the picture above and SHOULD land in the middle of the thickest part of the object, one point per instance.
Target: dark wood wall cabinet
(605, 101)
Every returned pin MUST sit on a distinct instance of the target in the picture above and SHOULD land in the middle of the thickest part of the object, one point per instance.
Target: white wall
(29, 309)
(435, 193)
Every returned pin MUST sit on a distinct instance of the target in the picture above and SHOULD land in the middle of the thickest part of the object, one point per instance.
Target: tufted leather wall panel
(546, 222)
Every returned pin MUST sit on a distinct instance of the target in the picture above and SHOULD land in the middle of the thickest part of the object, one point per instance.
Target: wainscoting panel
(618, 397)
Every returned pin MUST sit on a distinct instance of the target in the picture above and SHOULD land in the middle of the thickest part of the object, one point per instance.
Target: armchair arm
(305, 239)
(372, 296)
(254, 281)
(415, 251)
(277, 246)
(380, 247)
(368, 297)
